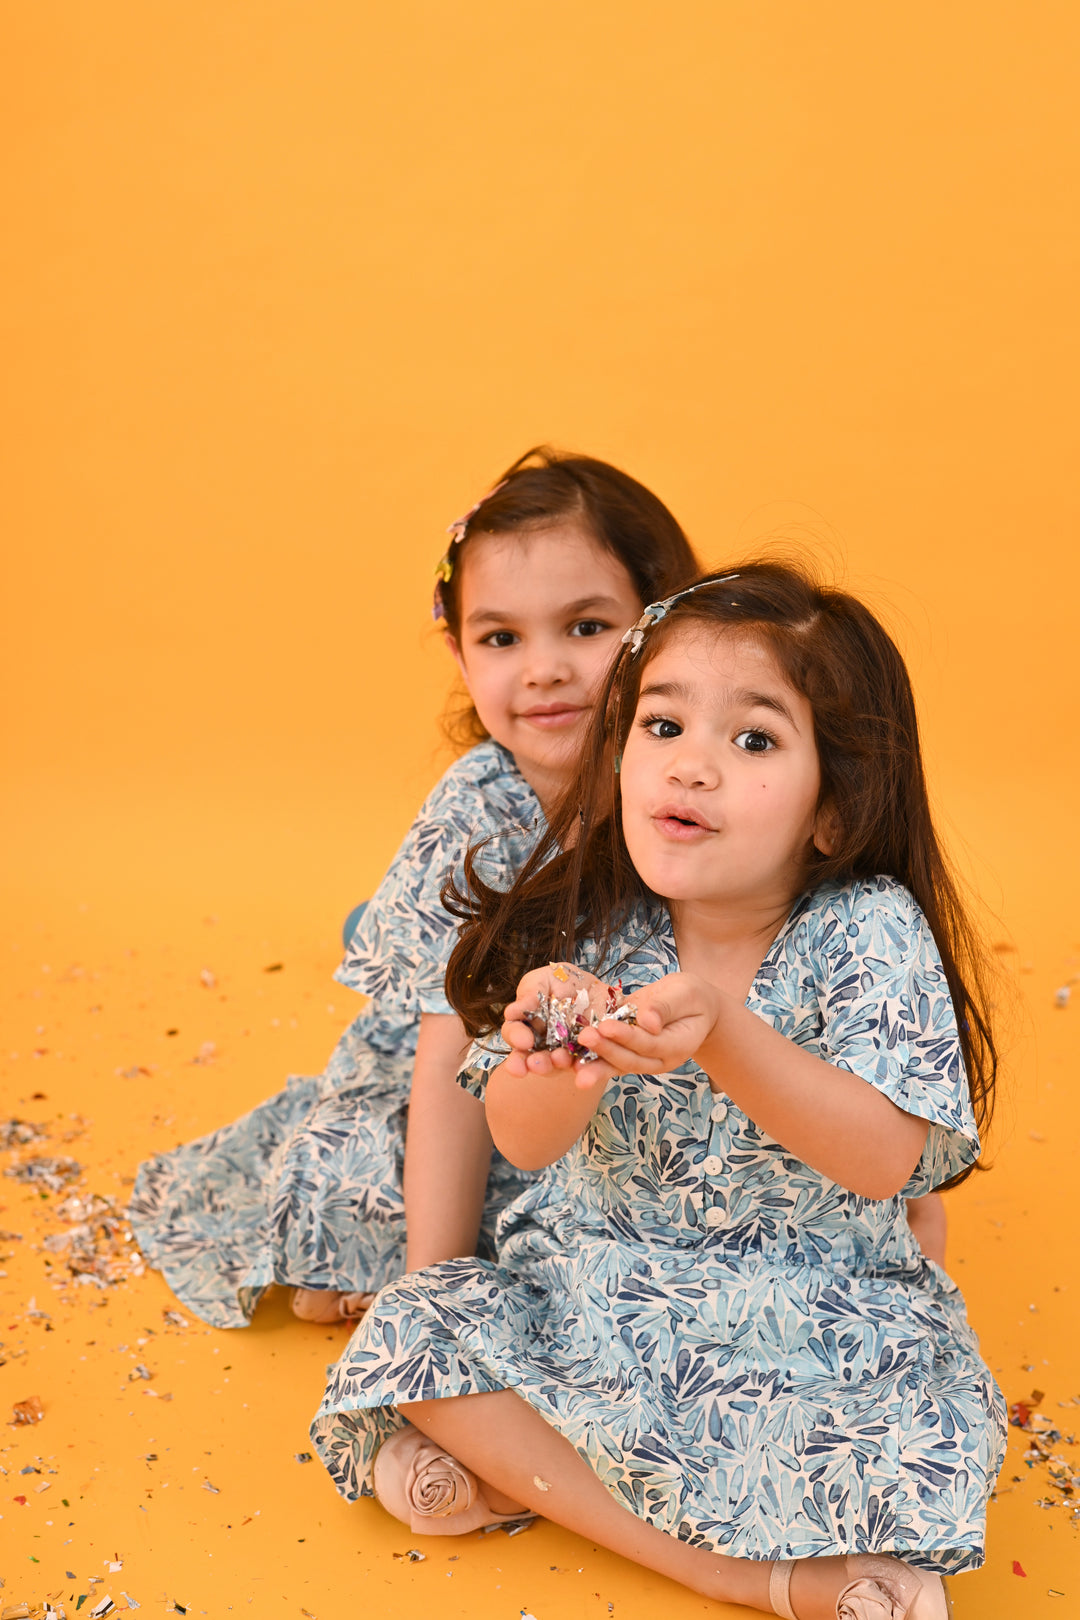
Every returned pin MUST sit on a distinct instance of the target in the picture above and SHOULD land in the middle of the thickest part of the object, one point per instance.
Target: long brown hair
(580, 884)
(546, 486)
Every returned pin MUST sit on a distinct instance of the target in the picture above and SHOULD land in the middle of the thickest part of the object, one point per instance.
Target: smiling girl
(540, 581)
(710, 1341)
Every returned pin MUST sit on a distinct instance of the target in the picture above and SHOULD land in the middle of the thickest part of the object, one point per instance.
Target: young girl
(539, 583)
(710, 1341)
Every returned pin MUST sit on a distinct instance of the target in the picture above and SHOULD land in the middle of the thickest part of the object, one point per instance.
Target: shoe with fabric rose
(875, 1589)
(429, 1490)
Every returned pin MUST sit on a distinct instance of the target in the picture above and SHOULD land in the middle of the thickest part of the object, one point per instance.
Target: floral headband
(457, 531)
(660, 610)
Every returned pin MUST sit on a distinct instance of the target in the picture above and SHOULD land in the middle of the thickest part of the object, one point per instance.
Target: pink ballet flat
(877, 1589)
(327, 1306)
(429, 1490)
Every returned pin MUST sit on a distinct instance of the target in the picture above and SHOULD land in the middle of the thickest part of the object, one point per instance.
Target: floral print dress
(750, 1357)
(307, 1188)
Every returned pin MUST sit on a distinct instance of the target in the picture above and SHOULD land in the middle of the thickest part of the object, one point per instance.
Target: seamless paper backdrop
(287, 285)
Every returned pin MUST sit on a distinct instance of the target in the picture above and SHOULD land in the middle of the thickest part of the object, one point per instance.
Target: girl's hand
(557, 979)
(675, 1017)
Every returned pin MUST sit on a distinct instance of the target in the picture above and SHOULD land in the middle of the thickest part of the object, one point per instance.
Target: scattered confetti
(1018, 1569)
(206, 1485)
(1062, 995)
(53, 1173)
(303, 1456)
(98, 1248)
(1045, 1441)
(20, 1133)
(139, 1371)
(541, 1484)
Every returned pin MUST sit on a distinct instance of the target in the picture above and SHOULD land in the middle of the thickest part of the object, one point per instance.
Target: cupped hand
(675, 1016)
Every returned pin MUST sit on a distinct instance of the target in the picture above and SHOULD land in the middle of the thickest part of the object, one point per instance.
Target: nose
(692, 765)
(548, 664)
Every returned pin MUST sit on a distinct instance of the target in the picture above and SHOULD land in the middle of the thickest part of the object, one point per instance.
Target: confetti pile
(560, 1019)
(97, 1247)
(1044, 1450)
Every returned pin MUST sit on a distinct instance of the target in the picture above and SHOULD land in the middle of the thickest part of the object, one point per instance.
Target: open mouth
(682, 821)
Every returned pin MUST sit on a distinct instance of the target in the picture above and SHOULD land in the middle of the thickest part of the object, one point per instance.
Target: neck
(725, 942)
(548, 783)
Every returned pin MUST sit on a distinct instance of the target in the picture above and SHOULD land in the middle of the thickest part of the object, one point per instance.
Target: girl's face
(720, 778)
(542, 614)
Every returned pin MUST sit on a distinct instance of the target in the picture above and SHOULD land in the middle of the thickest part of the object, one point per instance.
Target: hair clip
(457, 531)
(660, 610)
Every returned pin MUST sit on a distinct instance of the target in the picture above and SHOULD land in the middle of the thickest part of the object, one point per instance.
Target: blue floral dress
(307, 1188)
(750, 1357)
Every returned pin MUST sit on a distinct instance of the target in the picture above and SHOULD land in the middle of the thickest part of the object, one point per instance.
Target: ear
(455, 653)
(827, 829)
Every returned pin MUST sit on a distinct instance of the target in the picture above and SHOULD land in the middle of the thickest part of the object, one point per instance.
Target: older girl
(540, 581)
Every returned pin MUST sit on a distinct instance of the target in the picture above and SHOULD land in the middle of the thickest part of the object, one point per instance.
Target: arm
(447, 1149)
(831, 1119)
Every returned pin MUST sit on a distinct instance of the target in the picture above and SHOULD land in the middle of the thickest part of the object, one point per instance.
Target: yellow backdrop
(286, 285)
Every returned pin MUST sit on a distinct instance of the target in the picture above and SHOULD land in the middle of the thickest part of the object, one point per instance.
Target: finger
(650, 1019)
(592, 1076)
(617, 1036)
(515, 1012)
(625, 1057)
(518, 1035)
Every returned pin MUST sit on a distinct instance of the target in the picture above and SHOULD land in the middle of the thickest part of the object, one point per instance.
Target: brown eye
(754, 742)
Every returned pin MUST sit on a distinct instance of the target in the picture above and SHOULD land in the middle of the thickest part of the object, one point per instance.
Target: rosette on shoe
(430, 1491)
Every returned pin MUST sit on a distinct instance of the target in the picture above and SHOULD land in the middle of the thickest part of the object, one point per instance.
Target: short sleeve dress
(751, 1357)
(306, 1189)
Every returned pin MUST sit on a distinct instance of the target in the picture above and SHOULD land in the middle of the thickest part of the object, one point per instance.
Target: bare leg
(929, 1222)
(516, 1455)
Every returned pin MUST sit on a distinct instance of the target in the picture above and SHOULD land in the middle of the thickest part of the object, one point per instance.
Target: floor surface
(170, 1469)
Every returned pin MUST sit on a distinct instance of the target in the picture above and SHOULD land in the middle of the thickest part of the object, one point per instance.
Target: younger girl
(539, 583)
(710, 1341)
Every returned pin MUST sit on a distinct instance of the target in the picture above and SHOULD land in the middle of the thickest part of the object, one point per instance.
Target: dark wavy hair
(546, 486)
(579, 883)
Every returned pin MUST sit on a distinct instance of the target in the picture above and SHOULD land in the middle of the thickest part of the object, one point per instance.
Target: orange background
(286, 285)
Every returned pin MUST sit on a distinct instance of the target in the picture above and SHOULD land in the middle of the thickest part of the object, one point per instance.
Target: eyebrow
(585, 604)
(739, 697)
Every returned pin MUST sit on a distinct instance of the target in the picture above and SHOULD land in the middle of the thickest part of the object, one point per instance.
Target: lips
(551, 715)
(682, 821)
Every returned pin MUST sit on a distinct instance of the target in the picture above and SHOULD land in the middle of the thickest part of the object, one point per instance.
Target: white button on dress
(713, 1165)
(714, 1217)
(718, 1113)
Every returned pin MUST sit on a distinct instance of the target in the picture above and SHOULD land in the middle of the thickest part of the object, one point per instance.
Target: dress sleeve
(399, 953)
(482, 1058)
(888, 1017)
